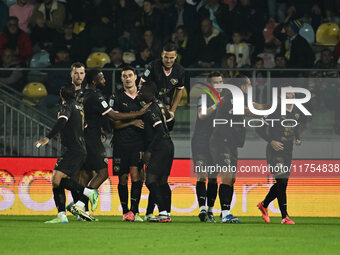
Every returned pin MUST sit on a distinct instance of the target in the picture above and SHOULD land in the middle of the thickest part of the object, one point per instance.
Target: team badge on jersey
(147, 73)
(104, 104)
(174, 81)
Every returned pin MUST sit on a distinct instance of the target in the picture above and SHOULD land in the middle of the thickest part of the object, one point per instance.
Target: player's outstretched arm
(42, 142)
(119, 124)
(58, 126)
(177, 99)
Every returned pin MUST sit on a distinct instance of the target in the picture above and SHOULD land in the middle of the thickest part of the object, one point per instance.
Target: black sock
(282, 196)
(75, 196)
(157, 195)
(72, 185)
(211, 194)
(201, 193)
(166, 190)
(151, 204)
(59, 198)
(140, 194)
(135, 196)
(226, 196)
(272, 194)
(124, 197)
(86, 202)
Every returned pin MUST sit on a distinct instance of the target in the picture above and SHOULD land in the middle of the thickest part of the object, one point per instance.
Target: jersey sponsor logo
(147, 73)
(125, 104)
(174, 81)
(104, 104)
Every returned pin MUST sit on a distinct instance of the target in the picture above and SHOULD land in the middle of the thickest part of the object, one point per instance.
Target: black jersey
(72, 135)
(203, 127)
(234, 135)
(130, 135)
(95, 107)
(157, 124)
(166, 84)
(80, 97)
(275, 131)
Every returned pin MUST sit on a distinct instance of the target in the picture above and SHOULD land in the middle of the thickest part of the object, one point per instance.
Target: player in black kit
(70, 124)
(168, 76)
(128, 145)
(279, 156)
(95, 107)
(201, 156)
(159, 153)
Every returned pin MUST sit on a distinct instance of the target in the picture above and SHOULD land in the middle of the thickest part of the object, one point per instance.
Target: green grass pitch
(185, 235)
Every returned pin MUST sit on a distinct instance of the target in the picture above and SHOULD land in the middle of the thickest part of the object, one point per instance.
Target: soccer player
(95, 107)
(201, 156)
(168, 75)
(128, 145)
(279, 155)
(70, 124)
(159, 153)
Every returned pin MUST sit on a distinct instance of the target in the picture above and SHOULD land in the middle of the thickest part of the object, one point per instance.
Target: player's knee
(212, 180)
(228, 181)
(123, 180)
(201, 179)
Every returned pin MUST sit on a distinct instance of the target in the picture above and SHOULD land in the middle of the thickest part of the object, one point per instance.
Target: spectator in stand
(16, 39)
(12, 78)
(209, 46)
(126, 15)
(229, 61)
(326, 61)
(260, 81)
(218, 13)
(152, 43)
(181, 13)
(280, 62)
(116, 56)
(23, 11)
(240, 49)
(3, 16)
(151, 18)
(181, 40)
(277, 9)
(295, 48)
(50, 14)
(143, 57)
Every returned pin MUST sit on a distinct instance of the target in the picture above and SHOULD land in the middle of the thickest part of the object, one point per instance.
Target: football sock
(211, 194)
(282, 196)
(151, 204)
(157, 195)
(201, 193)
(124, 197)
(226, 195)
(135, 196)
(272, 194)
(59, 198)
(166, 191)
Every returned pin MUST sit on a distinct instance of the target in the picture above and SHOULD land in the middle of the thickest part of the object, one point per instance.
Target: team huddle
(142, 117)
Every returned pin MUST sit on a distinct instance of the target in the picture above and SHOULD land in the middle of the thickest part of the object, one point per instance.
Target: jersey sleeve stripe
(63, 116)
(110, 109)
(180, 87)
(156, 123)
(168, 120)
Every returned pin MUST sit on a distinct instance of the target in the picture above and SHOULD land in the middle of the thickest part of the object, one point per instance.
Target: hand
(146, 157)
(103, 134)
(143, 110)
(291, 10)
(138, 123)
(276, 145)
(316, 9)
(298, 142)
(40, 22)
(41, 142)
(172, 114)
(105, 20)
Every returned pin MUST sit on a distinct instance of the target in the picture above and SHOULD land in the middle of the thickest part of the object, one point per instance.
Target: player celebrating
(128, 145)
(279, 154)
(202, 157)
(70, 124)
(158, 157)
(168, 76)
(95, 107)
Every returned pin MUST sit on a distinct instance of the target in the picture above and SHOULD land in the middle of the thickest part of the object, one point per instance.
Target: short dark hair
(68, 92)
(170, 47)
(239, 80)
(149, 87)
(215, 74)
(127, 68)
(77, 65)
(92, 75)
(13, 18)
(280, 55)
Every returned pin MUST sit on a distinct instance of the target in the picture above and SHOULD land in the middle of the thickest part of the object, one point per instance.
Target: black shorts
(96, 155)
(126, 157)
(70, 162)
(224, 160)
(279, 162)
(161, 159)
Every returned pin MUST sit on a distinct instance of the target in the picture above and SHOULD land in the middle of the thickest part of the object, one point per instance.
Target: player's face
(100, 81)
(168, 58)
(128, 79)
(217, 80)
(246, 86)
(78, 75)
